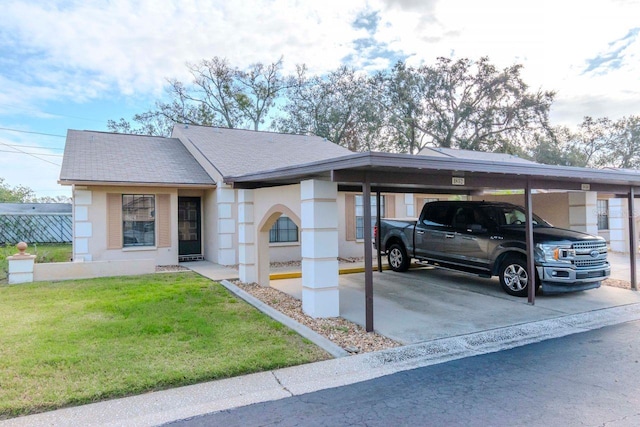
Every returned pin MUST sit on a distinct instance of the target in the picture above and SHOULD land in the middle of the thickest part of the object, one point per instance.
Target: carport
(400, 173)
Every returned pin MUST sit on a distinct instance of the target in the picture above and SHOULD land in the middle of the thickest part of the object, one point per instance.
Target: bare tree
(218, 95)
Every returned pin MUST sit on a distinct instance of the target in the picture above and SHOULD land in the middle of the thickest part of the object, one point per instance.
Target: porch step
(185, 258)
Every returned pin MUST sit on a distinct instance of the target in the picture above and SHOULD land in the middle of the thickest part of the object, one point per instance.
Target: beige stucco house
(141, 197)
(240, 197)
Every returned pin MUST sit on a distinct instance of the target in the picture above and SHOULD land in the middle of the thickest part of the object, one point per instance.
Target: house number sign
(457, 181)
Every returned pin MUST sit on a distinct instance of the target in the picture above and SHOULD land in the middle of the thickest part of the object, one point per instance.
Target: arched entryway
(264, 227)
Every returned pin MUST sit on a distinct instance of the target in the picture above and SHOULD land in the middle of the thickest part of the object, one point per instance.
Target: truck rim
(395, 257)
(515, 277)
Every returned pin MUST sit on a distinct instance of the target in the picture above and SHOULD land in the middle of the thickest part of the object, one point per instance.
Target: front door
(189, 227)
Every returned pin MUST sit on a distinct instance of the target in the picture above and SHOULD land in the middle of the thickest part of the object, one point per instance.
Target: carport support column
(320, 296)
(531, 267)
(633, 240)
(247, 267)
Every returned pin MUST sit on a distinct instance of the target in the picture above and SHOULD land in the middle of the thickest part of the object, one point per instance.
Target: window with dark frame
(603, 214)
(138, 220)
(284, 230)
(359, 208)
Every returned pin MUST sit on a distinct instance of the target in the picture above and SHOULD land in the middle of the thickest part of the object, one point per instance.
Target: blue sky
(67, 64)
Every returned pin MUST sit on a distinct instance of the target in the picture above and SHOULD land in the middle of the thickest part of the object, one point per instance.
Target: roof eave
(135, 184)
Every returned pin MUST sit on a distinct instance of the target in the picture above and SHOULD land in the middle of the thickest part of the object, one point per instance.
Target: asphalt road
(587, 379)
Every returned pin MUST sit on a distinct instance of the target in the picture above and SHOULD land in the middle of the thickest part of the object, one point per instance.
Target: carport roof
(408, 173)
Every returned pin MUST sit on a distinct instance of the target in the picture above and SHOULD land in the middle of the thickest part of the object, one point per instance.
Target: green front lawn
(75, 342)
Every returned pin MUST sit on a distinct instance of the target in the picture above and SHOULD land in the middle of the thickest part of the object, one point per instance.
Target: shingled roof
(235, 152)
(119, 158)
(472, 155)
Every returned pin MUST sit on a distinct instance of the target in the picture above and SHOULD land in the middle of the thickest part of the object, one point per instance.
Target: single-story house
(240, 197)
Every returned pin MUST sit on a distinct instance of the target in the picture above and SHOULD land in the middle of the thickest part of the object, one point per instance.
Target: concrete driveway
(427, 303)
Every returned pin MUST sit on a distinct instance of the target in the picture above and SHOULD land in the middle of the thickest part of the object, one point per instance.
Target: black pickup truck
(488, 239)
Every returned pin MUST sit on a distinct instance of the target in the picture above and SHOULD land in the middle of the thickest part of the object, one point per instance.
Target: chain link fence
(35, 228)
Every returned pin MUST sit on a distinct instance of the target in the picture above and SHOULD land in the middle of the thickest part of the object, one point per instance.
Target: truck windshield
(514, 216)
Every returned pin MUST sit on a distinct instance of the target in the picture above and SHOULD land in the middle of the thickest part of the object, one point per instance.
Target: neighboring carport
(400, 173)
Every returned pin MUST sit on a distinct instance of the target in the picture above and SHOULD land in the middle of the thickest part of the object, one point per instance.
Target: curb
(349, 270)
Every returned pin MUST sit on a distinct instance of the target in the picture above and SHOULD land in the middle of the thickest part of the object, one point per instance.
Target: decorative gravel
(348, 335)
(624, 284)
(170, 268)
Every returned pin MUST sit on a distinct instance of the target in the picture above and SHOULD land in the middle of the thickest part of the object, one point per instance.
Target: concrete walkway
(487, 321)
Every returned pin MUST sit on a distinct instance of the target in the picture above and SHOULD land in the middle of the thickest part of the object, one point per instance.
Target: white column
(618, 225)
(583, 212)
(320, 295)
(246, 237)
(21, 266)
(82, 226)
(226, 198)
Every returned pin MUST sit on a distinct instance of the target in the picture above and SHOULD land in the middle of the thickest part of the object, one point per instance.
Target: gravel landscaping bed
(624, 284)
(350, 336)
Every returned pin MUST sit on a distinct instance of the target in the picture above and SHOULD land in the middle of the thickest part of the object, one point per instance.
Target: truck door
(432, 229)
(467, 243)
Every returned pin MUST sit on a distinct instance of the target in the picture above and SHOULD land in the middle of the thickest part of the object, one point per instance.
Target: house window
(138, 220)
(284, 230)
(359, 208)
(603, 214)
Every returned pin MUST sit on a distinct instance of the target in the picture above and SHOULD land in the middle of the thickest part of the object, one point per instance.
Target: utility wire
(34, 146)
(32, 155)
(36, 133)
(37, 154)
(33, 110)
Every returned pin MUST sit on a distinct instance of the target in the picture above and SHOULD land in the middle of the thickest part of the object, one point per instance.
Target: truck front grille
(585, 263)
(590, 245)
(583, 254)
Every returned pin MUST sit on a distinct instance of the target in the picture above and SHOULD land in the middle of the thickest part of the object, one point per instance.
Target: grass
(76, 342)
(45, 252)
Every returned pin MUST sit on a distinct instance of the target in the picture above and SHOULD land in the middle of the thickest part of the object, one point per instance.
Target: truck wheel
(398, 259)
(514, 276)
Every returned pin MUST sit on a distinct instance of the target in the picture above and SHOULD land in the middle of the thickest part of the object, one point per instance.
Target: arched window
(284, 230)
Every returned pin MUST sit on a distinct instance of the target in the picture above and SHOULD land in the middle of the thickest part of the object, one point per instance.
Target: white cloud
(554, 40)
(136, 45)
(86, 49)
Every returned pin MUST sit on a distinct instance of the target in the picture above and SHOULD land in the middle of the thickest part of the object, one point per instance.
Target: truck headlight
(554, 253)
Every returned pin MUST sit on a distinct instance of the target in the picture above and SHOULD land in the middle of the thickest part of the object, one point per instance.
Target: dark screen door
(189, 226)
